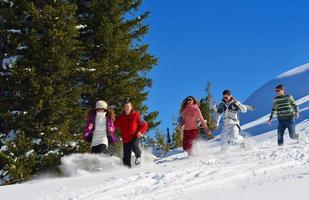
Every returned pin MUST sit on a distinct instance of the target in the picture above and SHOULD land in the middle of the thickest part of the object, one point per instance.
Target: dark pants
(102, 148)
(282, 126)
(127, 151)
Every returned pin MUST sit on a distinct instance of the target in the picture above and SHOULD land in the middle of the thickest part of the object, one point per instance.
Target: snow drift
(85, 164)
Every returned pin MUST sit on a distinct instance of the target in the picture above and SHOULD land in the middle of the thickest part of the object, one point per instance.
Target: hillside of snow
(296, 82)
(261, 171)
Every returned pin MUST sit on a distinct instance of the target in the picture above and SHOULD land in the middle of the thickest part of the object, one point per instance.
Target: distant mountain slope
(296, 82)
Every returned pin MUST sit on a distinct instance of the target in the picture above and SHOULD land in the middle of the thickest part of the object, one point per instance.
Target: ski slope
(296, 82)
(260, 171)
(261, 124)
(263, 170)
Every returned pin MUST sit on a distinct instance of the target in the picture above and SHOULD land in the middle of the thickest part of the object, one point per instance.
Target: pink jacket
(191, 115)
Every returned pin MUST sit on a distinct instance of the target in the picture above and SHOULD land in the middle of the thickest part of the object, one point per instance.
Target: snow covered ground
(263, 170)
(260, 171)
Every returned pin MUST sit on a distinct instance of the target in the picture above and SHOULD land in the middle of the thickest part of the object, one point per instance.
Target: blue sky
(236, 45)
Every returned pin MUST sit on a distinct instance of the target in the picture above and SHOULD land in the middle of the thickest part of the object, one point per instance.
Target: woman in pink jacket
(191, 116)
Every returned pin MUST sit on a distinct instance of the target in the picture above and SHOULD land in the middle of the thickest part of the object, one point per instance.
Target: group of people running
(102, 123)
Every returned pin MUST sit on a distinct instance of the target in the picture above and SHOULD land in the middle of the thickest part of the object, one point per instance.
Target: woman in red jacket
(132, 130)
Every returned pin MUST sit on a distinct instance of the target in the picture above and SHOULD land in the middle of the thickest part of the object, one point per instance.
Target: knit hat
(101, 105)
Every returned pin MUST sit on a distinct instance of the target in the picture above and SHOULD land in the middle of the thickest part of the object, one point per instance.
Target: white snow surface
(261, 171)
(293, 72)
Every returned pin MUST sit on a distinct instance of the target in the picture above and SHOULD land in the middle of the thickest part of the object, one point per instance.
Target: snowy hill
(296, 82)
(260, 171)
(263, 171)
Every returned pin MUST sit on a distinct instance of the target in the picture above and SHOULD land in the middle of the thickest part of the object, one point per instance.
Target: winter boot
(138, 160)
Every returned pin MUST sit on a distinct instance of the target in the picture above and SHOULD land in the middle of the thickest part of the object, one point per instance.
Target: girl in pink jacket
(191, 116)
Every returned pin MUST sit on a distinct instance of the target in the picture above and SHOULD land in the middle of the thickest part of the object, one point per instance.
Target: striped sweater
(285, 107)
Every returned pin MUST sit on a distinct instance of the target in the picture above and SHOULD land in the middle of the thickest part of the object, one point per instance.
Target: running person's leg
(291, 128)
(186, 143)
(127, 151)
(225, 137)
(189, 138)
(237, 138)
(281, 128)
(135, 146)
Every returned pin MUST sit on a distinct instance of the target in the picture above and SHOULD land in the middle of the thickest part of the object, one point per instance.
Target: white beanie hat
(101, 105)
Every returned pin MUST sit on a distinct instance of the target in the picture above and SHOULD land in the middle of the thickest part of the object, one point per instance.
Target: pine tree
(148, 141)
(206, 110)
(177, 134)
(21, 160)
(40, 92)
(168, 137)
(161, 142)
(177, 137)
(57, 56)
(114, 60)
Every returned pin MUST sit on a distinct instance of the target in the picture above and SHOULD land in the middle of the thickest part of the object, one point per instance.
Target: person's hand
(139, 135)
(214, 104)
(296, 115)
(210, 135)
(90, 126)
(251, 108)
(111, 129)
(269, 122)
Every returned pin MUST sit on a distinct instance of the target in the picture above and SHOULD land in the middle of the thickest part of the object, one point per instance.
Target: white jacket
(230, 112)
(100, 131)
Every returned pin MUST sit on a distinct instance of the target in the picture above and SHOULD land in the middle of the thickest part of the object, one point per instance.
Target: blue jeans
(286, 124)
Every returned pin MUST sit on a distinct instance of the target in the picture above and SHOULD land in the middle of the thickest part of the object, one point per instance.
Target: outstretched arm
(243, 108)
(273, 111)
(89, 127)
(250, 108)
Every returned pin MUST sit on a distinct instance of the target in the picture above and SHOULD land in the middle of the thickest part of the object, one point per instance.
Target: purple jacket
(90, 127)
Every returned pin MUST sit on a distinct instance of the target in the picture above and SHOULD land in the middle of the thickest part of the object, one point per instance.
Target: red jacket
(130, 125)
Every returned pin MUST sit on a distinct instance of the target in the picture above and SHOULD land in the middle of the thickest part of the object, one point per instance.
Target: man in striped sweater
(285, 107)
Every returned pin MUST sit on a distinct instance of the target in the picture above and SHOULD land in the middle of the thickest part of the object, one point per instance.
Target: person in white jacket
(99, 129)
(229, 108)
